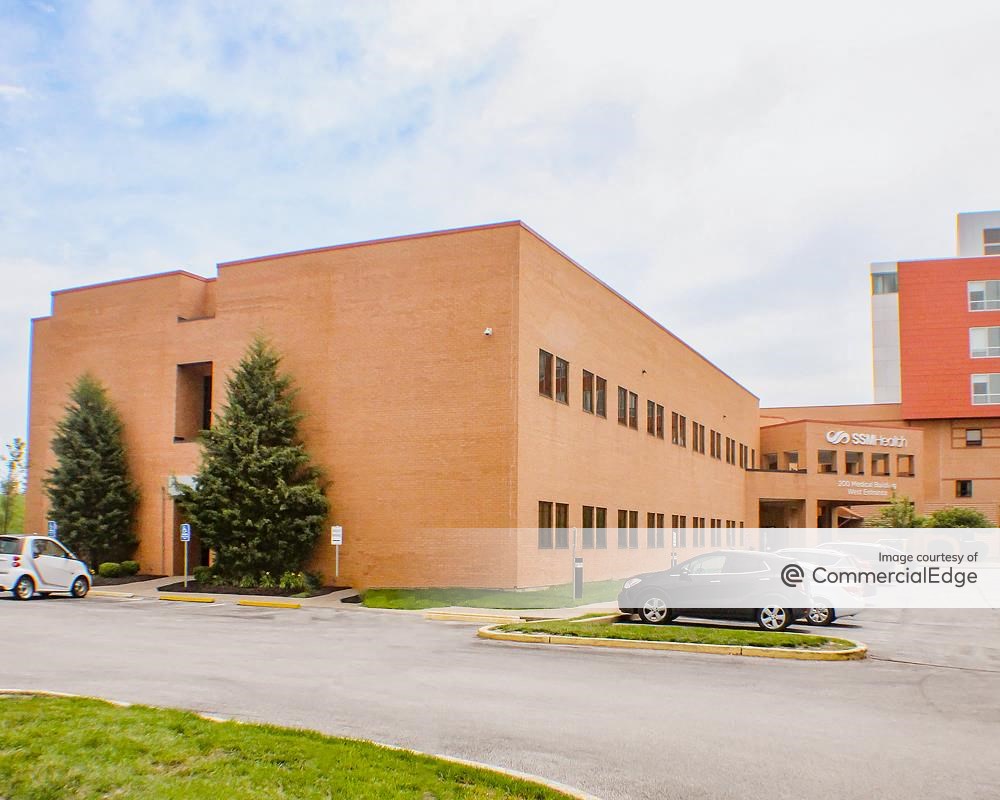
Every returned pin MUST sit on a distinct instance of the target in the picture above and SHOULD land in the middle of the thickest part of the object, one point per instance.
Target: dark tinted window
(744, 562)
(9, 546)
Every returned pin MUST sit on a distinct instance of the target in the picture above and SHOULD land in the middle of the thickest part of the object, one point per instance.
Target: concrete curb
(179, 598)
(858, 652)
(569, 791)
(267, 604)
(105, 593)
(457, 616)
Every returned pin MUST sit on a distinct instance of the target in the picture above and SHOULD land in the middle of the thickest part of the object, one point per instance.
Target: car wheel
(773, 619)
(80, 587)
(24, 589)
(654, 610)
(820, 616)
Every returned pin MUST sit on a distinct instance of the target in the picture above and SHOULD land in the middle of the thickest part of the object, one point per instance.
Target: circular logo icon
(792, 575)
(838, 437)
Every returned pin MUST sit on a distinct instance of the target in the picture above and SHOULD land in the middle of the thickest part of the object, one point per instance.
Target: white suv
(39, 564)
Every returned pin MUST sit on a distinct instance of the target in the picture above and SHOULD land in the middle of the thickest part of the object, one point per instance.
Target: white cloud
(9, 90)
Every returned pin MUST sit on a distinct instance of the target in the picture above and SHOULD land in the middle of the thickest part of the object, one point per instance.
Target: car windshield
(9, 546)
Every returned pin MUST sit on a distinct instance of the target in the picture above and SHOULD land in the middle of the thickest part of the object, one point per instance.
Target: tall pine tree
(91, 494)
(257, 501)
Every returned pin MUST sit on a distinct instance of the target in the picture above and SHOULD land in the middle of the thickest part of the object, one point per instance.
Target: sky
(732, 167)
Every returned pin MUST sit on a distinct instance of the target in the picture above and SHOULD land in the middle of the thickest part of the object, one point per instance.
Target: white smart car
(31, 565)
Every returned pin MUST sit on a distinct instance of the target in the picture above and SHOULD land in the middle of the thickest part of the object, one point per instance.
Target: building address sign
(871, 439)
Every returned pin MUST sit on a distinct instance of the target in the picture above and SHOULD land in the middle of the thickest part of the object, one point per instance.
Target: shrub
(110, 569)
(958, 518)
(248, 582)
(204, 575)
(130, 567)
(267, 580)
(293, 582)
(314, 581)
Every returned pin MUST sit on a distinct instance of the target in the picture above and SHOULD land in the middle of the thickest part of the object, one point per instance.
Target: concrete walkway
(150, 589)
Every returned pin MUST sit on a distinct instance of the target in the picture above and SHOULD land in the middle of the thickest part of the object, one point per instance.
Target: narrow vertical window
(562, 526)
(633, 411)
(588, 392)
(633, 529)
(622, 529)
(673, 427)
(659, 530)
(562, 380)
(680, 540)
(544, 373)
(622, 405)
(651, 418)
(602, 397)
(682, 430)
(601, 528)
(544, 525)
(650, 529)
(659, 421)
(588, 527)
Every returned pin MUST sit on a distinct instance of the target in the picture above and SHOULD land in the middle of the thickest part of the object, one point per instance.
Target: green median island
(683, 634)
(551, 597)
(72, 749)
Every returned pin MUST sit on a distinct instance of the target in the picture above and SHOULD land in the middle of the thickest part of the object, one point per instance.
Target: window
(743, 455)
(716, 444)
(743, 563)
(963, 488)
(792, 460)
(633, 411)
(753, 458)
(991, 241)
(651, 418)
(855, 463)
(587, 393)
(633, 529)
(678, 431)
(544, 525)
(986, 389)
(716, 532)
(588, 528)
(711, 564)
(654, 530)
(660, 538)
(730, 533)
(562, 526)
(602, 397)
(622, 529)
(984, 342)
(698, 531)
(697, 437)
(601, 531)
(828, 462)
(622, 406)
(562, 380)
(678, 528)
(880, 464)
(769, 461)
(885, 283)
(904, 466)
(544, 373)
(193, 401)
(973, 437)
(659, 421)
(984, 295)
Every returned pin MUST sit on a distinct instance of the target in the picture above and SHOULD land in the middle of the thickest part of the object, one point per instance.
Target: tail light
(17, 561)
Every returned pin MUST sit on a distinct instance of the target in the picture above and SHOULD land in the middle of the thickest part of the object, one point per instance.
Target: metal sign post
(337, 539)
(186, 538)
(576, 579)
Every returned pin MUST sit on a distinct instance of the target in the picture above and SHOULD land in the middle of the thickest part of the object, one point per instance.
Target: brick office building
(472, 396)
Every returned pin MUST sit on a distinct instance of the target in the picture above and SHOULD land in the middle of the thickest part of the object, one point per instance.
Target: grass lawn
(679, 633)
(553, 597)
(71, 749)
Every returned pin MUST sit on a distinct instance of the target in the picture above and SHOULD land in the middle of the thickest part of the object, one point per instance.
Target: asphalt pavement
(920, 718)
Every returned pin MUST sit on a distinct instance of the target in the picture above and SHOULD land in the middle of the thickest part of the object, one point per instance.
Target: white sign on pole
(336, 535)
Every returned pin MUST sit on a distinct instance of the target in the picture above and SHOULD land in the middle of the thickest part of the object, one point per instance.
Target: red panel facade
(934, 322)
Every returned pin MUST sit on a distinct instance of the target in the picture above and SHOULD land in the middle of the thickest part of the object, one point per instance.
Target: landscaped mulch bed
(194, 586)
(97, 580)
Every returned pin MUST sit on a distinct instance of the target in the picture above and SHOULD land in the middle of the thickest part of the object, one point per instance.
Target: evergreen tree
(91, 495)
(257, 501)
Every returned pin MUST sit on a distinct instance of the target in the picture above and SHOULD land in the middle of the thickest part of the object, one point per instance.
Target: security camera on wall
(488, 332)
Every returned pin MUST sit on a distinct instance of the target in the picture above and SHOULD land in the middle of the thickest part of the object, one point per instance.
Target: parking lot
(918, 719)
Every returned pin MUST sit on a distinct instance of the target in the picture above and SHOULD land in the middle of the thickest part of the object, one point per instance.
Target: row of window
(854, 463)
(553, 382)
(553, 529)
